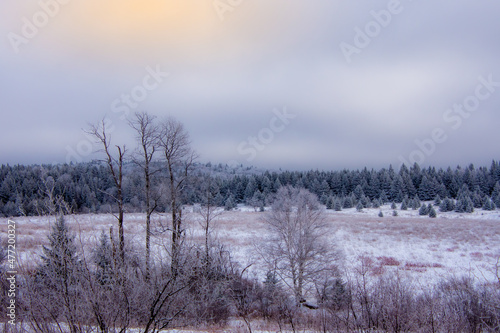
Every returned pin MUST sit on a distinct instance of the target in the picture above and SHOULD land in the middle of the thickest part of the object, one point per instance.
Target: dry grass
(458, 245)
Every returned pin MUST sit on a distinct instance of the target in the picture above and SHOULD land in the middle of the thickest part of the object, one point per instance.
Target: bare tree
(179, 157)
(115, 165)
(209, 212)
(297, 249)
(147, 134)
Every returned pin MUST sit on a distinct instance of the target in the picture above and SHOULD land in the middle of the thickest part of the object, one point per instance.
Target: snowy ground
(423, 249)
(427, 249)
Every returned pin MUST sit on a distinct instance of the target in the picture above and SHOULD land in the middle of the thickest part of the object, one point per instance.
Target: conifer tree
(347, 202)
(432, 212)
(383, 198)
(103, 258)
(496, 200)
(489, 204)
(404, 205)
(477, 200)
(496, 190)
(58, 279)
(60, 258)
(338, 205)
(330, 203)
(423, 210)
(365, 201)
(229, 204)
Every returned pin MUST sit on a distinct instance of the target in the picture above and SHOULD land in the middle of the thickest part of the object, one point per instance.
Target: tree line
(89, 187)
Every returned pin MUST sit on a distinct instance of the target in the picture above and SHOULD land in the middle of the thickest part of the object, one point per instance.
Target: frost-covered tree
(147, 134)
(464, 204)
(347, 202)
(337, 205)
(297, 248)
(447, 205)
(432, 212)
(103, 259)
(404, 205)
(488, 204)
(383, 197)
(423, 210)
(115, 167)
(257, 201)
(230, 204)
(178, 158)
(58, 279)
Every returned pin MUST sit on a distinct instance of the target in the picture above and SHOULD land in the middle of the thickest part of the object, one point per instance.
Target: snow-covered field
(416, 246)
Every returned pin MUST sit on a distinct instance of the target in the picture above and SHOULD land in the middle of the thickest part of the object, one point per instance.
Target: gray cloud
(226, 78)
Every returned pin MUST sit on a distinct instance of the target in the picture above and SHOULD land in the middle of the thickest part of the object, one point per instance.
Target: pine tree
(447, 205)
(338, 205)
(359, 207)
(477, 200)
(437, 200)
(103, 258)
(60, 258)
(58, 278)
(324, 188)
(365, 201)
(347, 202)
(380, 214)
(229, 204)
(383, 198)
(423, 210)
(250, 189)
(496, 200)
(330, 203)
(432, 212)
(464, 204)
(489, 204)
(394, 213)
(323, 199)
(393, 206)
(496, 190)
(412, 205)
(404, 205)
(417, 201)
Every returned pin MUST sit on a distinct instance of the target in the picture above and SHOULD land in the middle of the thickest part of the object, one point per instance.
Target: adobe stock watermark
(454, 117)
(277, 124)
(31, 26)
(122, 105)
(11, 273)
(224, 6)
(372, 29)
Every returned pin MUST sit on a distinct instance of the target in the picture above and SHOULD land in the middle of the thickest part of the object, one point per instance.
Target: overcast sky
(294, 84)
